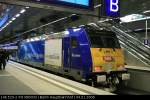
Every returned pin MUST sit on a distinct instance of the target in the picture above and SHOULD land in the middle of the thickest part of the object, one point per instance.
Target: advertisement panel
(53, 52)
(32, 51)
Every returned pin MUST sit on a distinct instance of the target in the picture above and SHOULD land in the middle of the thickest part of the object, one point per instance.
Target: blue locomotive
(85, 53)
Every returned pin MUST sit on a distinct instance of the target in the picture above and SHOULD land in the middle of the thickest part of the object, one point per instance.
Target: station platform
(18, 79)
(10, 85)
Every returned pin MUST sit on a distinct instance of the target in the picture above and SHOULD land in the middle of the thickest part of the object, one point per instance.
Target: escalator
(129, 41)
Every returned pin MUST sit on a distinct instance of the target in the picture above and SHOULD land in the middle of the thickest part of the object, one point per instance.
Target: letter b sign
(111, 8)
(114, 5)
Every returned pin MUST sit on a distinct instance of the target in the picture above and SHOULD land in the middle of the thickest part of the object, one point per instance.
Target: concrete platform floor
(19, 79)
(9, 85)
(14, 81)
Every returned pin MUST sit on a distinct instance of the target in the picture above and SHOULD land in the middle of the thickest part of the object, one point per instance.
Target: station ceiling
(35, 17)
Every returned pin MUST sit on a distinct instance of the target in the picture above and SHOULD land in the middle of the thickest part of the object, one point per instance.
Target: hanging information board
(110, 8)
(85, 4)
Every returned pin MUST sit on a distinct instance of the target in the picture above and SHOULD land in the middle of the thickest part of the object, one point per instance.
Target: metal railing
(128, 41)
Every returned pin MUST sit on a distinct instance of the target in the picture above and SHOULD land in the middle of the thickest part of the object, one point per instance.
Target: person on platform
(3, 57)
(7, 55)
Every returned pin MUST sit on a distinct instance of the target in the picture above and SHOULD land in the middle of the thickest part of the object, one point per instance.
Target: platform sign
(85, 4)
(110, 8)
(146, 42)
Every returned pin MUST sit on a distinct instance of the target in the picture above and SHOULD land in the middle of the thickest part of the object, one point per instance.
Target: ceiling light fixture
(17, 15)
(147, 11)
(27, 7)
(22, 11)
(10, 21)
(133, 18)
(14, 18)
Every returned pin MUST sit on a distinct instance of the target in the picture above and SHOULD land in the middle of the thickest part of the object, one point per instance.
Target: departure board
(80, 2)
(85, 4)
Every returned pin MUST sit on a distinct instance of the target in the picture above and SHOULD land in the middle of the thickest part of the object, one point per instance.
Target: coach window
(74, 42)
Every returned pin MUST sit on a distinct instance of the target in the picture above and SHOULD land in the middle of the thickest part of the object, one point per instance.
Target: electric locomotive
(85, 53)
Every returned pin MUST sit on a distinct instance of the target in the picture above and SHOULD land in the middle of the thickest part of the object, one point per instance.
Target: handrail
(134, 44)
(137, 50)
(130, 42)
(127, 31)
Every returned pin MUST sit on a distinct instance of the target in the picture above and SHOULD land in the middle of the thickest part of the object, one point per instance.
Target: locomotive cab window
(111, 42)
(96, 42)
(74, 42)
(102, 38)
